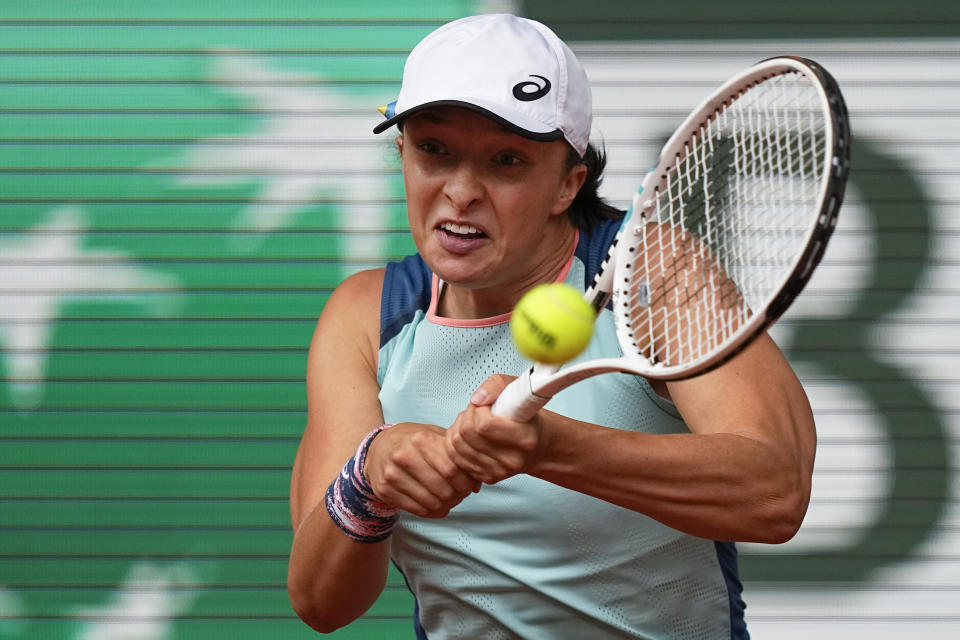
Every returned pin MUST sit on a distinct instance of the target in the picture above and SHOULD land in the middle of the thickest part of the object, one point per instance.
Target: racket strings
(728, 221)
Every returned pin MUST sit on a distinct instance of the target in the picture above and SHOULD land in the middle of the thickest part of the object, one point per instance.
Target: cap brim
(543, 136)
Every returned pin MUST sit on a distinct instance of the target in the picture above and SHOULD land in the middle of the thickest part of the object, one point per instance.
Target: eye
(430, 147)
(508, 159)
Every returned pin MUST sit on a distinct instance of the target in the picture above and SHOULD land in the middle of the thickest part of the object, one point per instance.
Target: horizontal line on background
(330, 202)
(280, 529)
(787, 321)
(161, 380)
(200, 200)
(178, 320)
(186, 290)
(265, 20)
(139, 620)
(233, 260)
(585, 51)
(170, 499)
(637, 112)
(181, 349)
(148, 468)
(28, 529)
(175, 112)
(173, 586)
(139, 556)
(227, 140)
(811, 556)
(179, 291)
(225, 171)
(299, 231)
(140, 411)
(327, 261)
(199, 438)
(298, 21)
(268, 171)
(853, 617)
(224, 140)
(334, 231)
(226, 499)
(320, 81)
(919, 466)
(52, 409)
(149, 498)
(265, 379)
(202, 52)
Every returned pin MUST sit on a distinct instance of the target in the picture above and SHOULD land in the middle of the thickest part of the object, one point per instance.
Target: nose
(463, 188)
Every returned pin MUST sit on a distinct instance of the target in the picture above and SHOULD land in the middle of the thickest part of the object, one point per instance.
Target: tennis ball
(552, 323)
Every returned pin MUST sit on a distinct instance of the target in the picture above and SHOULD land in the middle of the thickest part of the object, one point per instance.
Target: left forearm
(720, 486)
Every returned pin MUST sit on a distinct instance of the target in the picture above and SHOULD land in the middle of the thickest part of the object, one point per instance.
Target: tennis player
(611, 515)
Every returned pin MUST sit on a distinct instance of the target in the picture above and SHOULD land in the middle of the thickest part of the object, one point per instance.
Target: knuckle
(420, 439)
(390, 474)
(528, 442)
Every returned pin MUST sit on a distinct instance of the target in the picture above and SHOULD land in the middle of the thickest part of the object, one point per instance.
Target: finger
(481, 465)
(395, 486)
(460, 482)
(424, 474)
(491, 388)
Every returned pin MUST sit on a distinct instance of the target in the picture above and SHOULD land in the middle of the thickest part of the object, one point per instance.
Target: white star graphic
(144, 607)
(44, 268)
(312, 141)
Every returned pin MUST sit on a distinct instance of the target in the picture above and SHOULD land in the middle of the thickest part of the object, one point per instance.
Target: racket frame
(524, 397)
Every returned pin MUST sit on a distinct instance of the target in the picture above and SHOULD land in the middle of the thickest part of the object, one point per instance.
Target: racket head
(745, 196)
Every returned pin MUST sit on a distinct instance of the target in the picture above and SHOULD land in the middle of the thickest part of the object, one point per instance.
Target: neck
(464, 303)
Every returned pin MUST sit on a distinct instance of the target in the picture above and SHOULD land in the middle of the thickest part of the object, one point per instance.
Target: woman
(604, 516)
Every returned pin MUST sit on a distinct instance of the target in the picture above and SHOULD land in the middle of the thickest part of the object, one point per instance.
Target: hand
(408, 467)
(488, 447)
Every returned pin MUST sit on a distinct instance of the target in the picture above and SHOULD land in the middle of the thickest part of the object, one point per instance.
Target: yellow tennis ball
(552, 323)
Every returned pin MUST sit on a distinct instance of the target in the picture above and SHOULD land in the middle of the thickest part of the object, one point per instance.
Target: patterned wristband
(353, 505)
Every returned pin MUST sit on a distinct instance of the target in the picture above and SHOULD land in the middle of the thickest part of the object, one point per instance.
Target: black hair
(588, 209)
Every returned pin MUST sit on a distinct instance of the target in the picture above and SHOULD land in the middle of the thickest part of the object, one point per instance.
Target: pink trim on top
(484, 322)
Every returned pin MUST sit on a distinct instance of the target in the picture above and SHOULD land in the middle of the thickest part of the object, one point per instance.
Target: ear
(400, 144)
(569, 188)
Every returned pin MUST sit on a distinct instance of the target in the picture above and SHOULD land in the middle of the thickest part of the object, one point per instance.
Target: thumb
(487, 393)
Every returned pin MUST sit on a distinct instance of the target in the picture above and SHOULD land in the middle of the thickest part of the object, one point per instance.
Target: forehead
(461, 118)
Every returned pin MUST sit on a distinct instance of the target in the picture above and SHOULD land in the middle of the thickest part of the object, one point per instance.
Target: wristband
(353, 505)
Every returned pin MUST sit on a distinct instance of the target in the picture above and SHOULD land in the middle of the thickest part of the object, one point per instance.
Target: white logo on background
(312, 144)
(41, 270)
(144, 607)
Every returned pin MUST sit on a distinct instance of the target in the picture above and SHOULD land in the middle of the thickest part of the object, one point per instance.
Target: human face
(485, 205)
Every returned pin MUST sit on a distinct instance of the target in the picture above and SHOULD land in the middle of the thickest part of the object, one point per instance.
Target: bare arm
(743, 473)
(333, 579)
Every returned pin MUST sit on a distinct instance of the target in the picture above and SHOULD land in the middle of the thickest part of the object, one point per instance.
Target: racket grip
(518, 401)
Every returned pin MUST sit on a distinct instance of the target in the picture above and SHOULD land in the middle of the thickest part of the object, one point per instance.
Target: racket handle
(518, 401)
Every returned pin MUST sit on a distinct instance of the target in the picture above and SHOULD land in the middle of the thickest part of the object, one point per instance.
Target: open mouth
(462, 231)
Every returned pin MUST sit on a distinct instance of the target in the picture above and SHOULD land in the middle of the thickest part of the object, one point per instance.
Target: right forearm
(332, 580)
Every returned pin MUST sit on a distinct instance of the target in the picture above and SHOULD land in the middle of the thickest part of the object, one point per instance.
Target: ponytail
(588, 208)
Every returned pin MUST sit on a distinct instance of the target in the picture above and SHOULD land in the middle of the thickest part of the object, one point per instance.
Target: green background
(156, 437)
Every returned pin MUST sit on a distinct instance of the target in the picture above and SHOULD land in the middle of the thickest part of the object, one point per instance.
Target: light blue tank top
(525, 558)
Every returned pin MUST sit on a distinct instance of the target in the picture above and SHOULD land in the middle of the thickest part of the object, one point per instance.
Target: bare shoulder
(342, 365)
(358, 294)
(352, 313)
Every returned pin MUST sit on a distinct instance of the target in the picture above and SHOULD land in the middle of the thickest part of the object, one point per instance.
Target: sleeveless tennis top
(525, 558)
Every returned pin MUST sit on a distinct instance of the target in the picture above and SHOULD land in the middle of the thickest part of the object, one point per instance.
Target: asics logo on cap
(529, 91)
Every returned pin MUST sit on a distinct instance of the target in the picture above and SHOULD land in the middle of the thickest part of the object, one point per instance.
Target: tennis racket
(722, 235)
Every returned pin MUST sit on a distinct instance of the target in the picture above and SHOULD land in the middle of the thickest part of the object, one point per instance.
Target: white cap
(513, 70)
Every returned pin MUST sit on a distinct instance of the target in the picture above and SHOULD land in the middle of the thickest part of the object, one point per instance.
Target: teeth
(459, 228)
